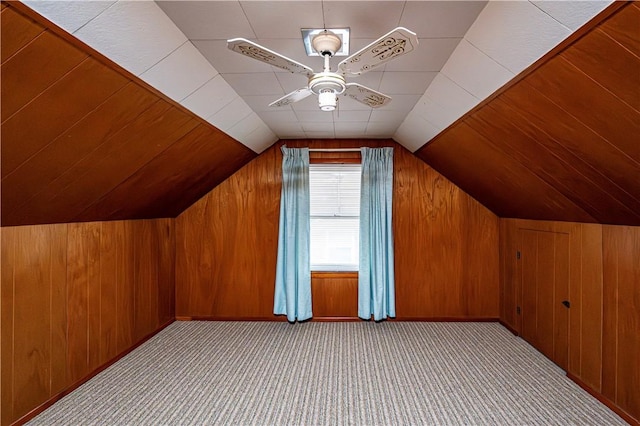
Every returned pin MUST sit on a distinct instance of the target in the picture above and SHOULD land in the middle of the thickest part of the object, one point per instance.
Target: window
(335, 216)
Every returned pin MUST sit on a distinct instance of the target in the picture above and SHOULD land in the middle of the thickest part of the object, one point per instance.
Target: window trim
(337, 273)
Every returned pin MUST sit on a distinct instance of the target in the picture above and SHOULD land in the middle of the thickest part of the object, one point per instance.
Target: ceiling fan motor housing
(325, 81)
(326, 43)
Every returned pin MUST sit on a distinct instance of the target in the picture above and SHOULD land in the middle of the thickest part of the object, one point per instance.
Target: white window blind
(335, 216)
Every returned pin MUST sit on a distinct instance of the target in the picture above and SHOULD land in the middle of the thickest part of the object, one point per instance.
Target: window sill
(336, 274)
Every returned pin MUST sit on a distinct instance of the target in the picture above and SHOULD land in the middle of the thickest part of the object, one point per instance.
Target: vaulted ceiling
(466, 50)
(84, 139)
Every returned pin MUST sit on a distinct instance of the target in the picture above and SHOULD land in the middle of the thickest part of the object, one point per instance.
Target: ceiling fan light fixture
(327, 100)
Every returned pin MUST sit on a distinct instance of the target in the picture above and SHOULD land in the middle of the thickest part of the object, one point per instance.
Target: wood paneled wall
(562, 143)
(445, 246)
(621, 317)
(75, 296)
(85, 140)
(604, 291)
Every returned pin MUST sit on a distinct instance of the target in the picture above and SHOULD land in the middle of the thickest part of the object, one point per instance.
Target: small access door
(544, 292)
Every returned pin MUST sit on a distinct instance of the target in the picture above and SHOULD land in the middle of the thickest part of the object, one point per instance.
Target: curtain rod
(334, 149)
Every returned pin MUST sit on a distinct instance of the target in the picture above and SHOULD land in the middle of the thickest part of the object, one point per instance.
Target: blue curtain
(293, 269)
(376, 286)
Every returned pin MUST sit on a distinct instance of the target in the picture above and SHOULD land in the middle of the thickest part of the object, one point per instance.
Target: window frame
(329, 157)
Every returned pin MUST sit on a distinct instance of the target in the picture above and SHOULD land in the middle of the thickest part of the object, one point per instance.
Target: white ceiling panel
(225, 61)
(254, 84)
(515, 33)
(487, 77)
(415, 132)
(293, 48)
(344, 127)
(430, 55)
(402, 103)
(69, 15)
(366, 19)
(315, 116)
(406, 83)
(390, 115)
(208, 20)
(328, 134)
(445, 101)
(351, 115)
(230, 115)
(370, 79)
(210, 97)
(282, 19)
(278, 116)
(261, 103)
(437, 19)
(180, 73)
(317, 126)
(113, 31)
(289, 128)
(344, 104)
(381, 129)
(252, 131)
(310, 104)
(572, 14)
(290, 82)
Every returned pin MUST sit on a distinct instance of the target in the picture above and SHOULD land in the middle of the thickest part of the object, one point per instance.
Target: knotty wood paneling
(621, 372)
(604, 341)
(561, 142)
(446, 246)
(84, 140)
(74, 296)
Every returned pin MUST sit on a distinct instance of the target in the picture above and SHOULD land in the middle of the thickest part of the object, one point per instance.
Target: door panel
(545, 293)
(529, 283)
(544, 280)
(561, 312)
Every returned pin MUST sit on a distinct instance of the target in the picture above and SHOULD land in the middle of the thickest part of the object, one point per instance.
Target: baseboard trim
(606, 401)
(445, 319)
(508, 327)
(215, 318)
(55, 398)
(281, 318)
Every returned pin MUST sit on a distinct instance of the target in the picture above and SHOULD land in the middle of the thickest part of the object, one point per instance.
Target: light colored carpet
(361, 373)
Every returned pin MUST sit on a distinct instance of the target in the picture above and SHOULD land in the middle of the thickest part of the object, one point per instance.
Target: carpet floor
(315, 373)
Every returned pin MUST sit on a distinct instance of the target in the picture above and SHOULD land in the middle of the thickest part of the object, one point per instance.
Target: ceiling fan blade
(395, 43)
(255, 51)
(366, 96)
(295, 96)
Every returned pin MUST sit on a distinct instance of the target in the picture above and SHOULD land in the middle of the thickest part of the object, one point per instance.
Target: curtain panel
(376, 279)
(293, 270)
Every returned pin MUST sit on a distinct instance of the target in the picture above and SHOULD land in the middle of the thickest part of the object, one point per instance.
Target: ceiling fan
(328, 85)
